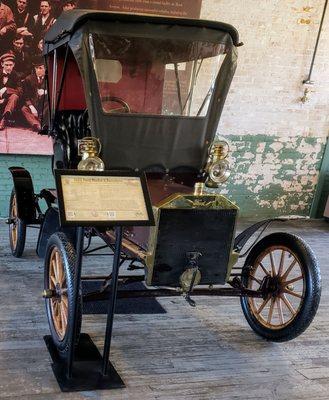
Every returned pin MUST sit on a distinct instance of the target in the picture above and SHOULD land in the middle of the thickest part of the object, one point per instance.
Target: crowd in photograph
(22, 73)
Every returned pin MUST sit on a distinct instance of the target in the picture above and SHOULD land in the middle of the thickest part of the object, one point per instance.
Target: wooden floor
(207, 352)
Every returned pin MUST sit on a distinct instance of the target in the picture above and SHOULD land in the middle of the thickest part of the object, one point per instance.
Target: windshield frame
(185, 105)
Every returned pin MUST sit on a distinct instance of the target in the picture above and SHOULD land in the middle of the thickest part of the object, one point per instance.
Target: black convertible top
(143, 141)
(69, 21)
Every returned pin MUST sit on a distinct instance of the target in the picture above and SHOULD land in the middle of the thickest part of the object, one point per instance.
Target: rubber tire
(68, 255)
(308, 309)
(21, 232)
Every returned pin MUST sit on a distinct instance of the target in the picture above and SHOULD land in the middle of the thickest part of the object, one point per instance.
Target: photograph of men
(10, 88)
(34, 93)
(43, 21)
(24, 20)
(7, 27)
(22, 57)
(68, 5)
(23, 26)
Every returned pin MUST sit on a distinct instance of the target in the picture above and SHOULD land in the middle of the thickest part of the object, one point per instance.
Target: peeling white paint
(277, 146)
(265, 170)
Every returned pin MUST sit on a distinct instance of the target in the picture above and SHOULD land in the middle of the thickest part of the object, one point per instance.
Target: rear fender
(25, 197)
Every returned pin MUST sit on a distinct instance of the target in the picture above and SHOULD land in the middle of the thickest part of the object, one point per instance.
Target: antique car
(145, 93)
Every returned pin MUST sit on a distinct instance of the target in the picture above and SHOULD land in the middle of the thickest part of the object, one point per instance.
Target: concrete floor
(207, 352)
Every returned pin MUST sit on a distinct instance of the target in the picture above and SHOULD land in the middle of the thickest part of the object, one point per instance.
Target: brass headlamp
(218, 168)
(89, 149)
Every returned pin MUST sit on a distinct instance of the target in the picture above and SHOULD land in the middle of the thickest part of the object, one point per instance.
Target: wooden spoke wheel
(17, 228)
(60, 262)
(59, 301)
(284, 268)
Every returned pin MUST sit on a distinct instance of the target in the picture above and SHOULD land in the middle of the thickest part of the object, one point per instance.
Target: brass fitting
(219, 150)
(198, 189)
(89, 149)
(48, 293)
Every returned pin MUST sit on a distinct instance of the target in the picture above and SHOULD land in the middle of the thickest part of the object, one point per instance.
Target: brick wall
(277, 139)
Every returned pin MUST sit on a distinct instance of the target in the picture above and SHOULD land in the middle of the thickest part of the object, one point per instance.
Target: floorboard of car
(207, 352)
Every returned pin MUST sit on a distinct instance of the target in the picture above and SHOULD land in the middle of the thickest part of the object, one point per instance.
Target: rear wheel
(60, 263)
(17, 228)
(286, 269)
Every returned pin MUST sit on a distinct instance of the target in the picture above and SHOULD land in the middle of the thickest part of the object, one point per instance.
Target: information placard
(87, 198)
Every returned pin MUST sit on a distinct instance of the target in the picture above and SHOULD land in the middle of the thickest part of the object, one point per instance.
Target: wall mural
(23, 25)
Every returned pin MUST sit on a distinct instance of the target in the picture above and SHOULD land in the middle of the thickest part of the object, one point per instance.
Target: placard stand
(84, 368)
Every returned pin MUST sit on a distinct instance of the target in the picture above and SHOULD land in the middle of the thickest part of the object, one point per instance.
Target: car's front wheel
(60, 266)
(285, 268)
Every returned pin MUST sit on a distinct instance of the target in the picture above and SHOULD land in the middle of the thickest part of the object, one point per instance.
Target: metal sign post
(113, 297)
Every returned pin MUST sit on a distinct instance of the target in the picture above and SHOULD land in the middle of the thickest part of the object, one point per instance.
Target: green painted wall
(322, 188)
(271, 175)
(39, 168)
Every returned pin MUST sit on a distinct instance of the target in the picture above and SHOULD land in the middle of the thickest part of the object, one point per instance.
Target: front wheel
(285, 268)
(17, 228)
(60, 265)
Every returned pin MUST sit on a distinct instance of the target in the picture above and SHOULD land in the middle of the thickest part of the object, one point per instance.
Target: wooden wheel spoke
(280, 312)
(63, 316)
(292, 293)
(256, 280)
(59, 266)
(281, 263)
(56, 308)
(65, 302)
(263, 305)
(61, 319)
(293, 280)
(272, 264)
(54, 268)
(53, 280)
(291, 266)
(14, 236)
(264, 269)
(62, 281)
(288, 304)
(270, 313)
(14, 208)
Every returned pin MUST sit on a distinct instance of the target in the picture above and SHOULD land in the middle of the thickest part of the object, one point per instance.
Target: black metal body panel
(26, 205)
(209, 232)
(49, 226)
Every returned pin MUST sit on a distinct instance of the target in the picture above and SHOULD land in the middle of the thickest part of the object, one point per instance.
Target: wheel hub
(273, 286)
(58, 290)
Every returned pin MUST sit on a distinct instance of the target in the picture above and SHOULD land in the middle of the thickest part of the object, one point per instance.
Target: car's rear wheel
(286, 269)
(17, 228)
(60, 264)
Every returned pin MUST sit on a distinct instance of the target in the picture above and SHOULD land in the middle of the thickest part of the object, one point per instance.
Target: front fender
(241, 240)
